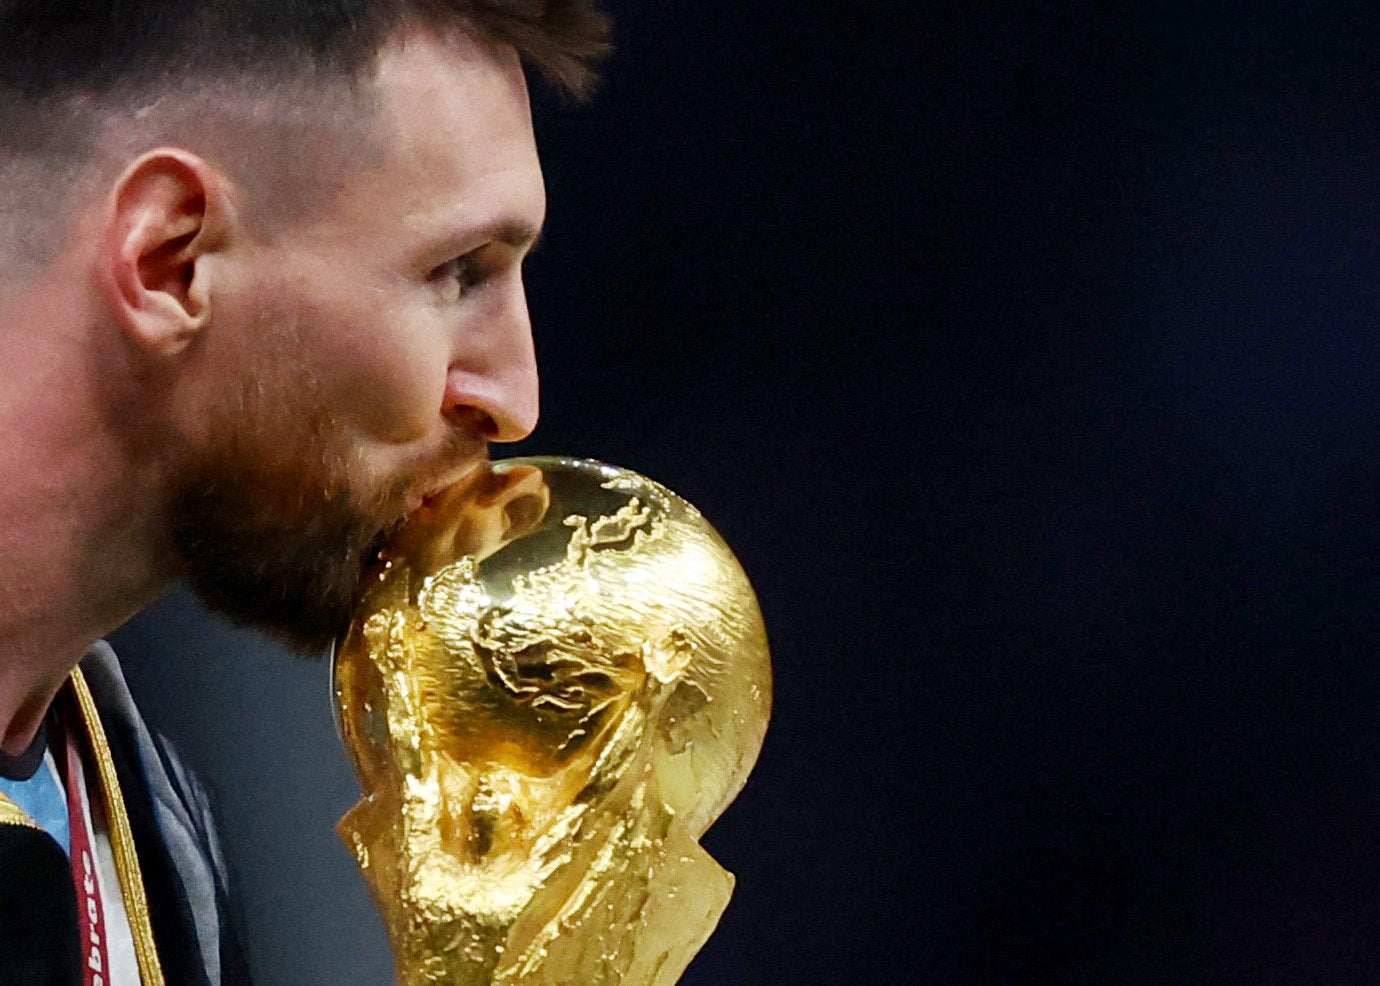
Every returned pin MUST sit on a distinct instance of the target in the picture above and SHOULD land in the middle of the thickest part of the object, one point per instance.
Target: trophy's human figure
(557, 682)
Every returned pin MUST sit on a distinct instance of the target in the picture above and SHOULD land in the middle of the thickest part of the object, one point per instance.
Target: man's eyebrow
(514, 232)
(518, 234)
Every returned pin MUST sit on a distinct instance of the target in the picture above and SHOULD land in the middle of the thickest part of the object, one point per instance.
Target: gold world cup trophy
(558, 678)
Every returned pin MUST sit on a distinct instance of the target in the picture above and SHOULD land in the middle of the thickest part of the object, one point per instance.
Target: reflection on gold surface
(556, 683)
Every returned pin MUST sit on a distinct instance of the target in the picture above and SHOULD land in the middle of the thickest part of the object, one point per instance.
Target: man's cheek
(398, 399)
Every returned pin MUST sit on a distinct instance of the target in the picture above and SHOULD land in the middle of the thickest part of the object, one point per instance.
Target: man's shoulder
(179, 848)
(163, 773)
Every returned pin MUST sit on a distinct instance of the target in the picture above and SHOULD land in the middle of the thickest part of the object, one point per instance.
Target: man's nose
(494, 371)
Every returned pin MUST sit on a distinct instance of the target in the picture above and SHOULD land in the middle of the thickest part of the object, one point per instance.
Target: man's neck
(78, 535)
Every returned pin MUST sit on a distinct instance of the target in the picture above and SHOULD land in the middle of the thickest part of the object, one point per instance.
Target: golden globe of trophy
(556, 681)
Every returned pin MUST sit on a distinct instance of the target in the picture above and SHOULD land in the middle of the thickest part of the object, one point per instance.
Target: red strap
(90, 915)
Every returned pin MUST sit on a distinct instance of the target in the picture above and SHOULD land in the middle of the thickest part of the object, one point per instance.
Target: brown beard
(267, 525)
(295, 575)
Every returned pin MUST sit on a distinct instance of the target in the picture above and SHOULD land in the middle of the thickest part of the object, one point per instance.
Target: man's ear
(168, 213)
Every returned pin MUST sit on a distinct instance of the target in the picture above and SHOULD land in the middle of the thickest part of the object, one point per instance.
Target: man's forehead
(456, 155)
(422, 71)
(456, 111)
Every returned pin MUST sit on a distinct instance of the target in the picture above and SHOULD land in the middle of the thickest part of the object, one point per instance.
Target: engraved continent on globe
(557, 680)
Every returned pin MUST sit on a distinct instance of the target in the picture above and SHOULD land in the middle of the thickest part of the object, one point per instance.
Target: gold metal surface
(557, 681)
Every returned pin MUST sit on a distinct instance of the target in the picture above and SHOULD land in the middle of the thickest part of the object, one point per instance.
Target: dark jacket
(194, 922)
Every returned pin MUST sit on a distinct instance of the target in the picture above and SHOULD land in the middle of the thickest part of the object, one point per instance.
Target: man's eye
(453, 277)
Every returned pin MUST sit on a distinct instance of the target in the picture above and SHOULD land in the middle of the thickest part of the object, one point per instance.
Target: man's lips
(450, 481)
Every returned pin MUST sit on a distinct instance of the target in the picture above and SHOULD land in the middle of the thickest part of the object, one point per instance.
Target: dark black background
(1027, 354)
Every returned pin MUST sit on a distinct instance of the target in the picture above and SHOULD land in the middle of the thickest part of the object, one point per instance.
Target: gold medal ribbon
(121, 837)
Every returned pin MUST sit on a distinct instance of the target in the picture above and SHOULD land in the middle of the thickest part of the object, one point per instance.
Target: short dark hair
(49, 48)
(67, 65)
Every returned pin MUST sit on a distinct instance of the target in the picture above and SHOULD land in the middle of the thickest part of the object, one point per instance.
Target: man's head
(296, 232)
(280, 76)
